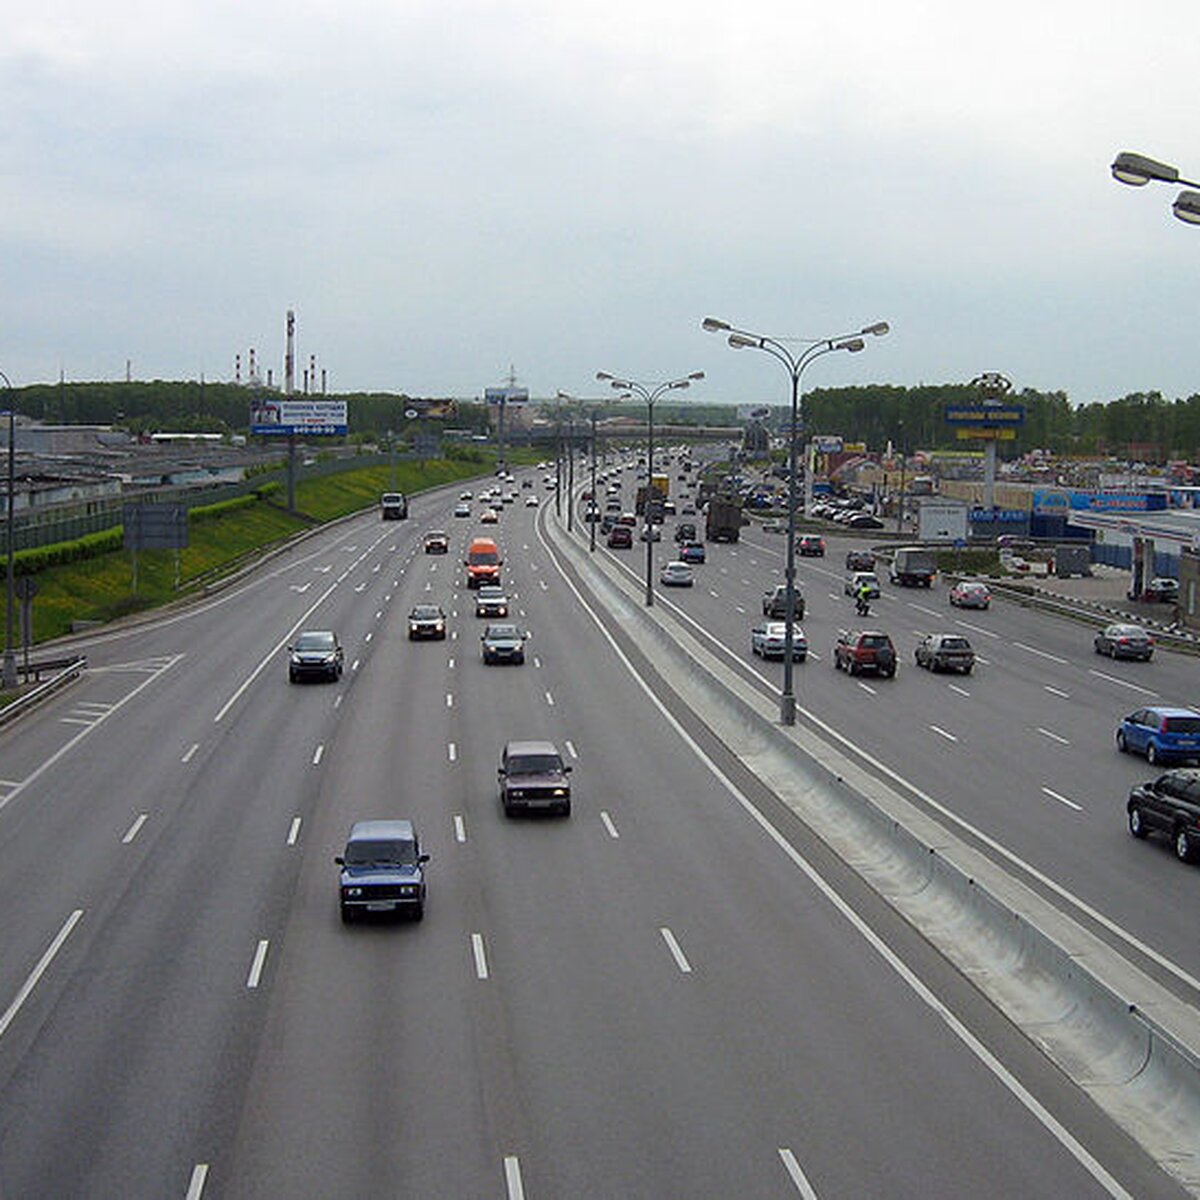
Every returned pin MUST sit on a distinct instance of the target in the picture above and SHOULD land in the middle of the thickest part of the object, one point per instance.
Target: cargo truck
(393, 506)
(913, 566)
(723, 520)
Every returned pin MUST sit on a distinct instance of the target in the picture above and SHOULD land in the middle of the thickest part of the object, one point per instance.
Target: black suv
(534, 776)
(774, 603)
(382, 870)
(1169, 804)
(860, 560)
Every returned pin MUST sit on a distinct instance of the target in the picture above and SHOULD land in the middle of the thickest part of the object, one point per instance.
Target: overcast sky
(441, 190)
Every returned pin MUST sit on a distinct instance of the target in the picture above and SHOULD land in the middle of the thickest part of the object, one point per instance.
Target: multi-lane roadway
(676, 992)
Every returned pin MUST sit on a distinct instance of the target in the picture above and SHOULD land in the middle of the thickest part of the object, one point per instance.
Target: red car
(811, 546)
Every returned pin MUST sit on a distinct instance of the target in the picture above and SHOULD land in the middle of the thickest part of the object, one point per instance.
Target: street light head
(879, 329)
(1137, 170)
(739, 341)
(564, 396)
(676, 384)
(696, 375)
(621, 385)
(604, 375)
(712, 325)
(854, 345)
(1187, 207)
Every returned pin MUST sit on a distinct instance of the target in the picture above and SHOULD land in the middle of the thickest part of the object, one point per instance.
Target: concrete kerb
(1131, 1044)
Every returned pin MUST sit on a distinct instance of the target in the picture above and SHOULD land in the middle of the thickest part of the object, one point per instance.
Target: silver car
(768, 639)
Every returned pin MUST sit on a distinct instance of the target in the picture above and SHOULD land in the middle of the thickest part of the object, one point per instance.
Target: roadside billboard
(939, 521)
(276, 416)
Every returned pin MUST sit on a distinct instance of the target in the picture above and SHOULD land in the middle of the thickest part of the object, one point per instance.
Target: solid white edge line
(480, 955)
(262, 666)
(135, 829)
(1062, 1135)
(38, 971)
(196, 1183)
(512, 1177)
(676, 950)
(71, 743)
(792, 1167)
(256, 967)
(293, 831)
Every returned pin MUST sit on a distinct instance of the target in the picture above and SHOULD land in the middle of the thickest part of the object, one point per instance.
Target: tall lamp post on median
(9, 678)
(1137, 170)
(741, 339)
(649, 393)
(593, 414)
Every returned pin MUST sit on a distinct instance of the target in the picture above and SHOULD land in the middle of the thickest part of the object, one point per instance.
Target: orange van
(483, 562)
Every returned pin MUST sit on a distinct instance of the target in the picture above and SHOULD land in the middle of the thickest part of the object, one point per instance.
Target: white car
(676, 574)
(769, 639)
(531, 501)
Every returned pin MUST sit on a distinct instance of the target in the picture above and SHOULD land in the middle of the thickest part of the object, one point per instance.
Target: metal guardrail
(67, 670)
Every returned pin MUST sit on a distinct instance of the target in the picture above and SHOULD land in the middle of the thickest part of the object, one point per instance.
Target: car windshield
(316, 641)
(874, 640)
(535, 764)
(490, 592)
(955, 643)
(424, 612)
(381, 854)
(485, 556)
(502, 631)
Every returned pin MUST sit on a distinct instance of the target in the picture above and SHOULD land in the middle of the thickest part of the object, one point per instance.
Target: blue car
(1162, 734)
(382, 871)
(692, 552)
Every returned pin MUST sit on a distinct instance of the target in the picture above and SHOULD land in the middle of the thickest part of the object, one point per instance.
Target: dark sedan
(945, 652)
(1124, 641)
(426, 621)
(315, 654)
(503, 644)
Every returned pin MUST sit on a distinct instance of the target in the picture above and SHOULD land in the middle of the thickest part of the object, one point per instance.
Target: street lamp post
(9, 678)
(649, 393)
(1137, 170)
(741, 339)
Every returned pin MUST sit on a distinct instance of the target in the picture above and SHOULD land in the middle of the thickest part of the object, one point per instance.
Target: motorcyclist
(863, 599)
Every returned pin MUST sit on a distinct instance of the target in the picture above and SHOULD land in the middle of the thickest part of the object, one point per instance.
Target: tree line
(1143, 425)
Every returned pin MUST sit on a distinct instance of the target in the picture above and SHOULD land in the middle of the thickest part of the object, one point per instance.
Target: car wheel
(967, 669)
(419, 913)
(1122, 744)
(1185, 848)
(566, 809)
(347, 915)
(852, 667)
(291, 677)
(1136, 825)
(1152, 755)
(890, 672)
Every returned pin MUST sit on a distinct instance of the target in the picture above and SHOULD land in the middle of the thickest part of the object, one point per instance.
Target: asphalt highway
(674, 992)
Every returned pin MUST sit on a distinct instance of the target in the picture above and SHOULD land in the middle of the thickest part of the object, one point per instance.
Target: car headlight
(559, 792)
(352, 893)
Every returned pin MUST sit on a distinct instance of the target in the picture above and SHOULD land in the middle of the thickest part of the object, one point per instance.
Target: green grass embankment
(100, 588)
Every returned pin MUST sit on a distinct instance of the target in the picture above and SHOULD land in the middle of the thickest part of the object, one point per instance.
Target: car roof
(512, 748)
(1167, 710)
(369, 831)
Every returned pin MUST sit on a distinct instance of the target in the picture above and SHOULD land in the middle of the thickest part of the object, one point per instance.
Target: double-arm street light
(1137, 170)
(741, 339)
(9, 678)
(649, 393)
